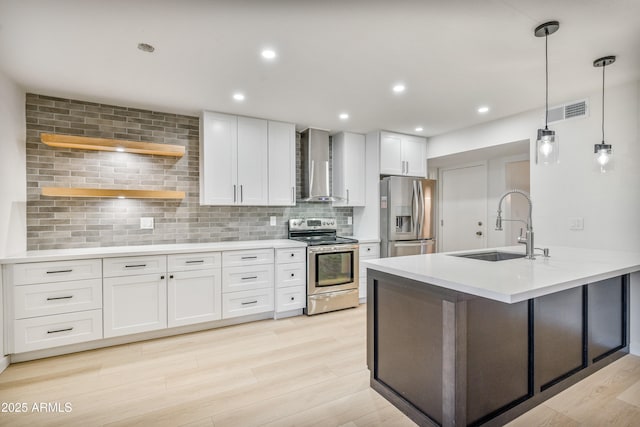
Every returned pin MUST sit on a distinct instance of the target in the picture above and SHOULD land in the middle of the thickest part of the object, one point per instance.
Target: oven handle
(332, 248)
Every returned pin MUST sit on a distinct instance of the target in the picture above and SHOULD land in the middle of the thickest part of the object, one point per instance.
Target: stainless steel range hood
(314, 147)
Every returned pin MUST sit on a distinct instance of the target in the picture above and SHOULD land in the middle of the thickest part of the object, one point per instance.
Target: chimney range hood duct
(314, 147)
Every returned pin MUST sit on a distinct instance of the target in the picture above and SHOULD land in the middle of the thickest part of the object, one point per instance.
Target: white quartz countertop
(512, 280)
(118, 251)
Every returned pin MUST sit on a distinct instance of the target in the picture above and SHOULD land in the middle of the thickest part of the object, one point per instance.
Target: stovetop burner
(317, 231)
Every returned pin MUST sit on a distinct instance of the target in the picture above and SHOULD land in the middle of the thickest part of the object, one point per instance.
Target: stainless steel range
(332, 265)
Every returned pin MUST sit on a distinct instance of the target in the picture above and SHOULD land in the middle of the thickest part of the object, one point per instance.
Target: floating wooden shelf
(115, 193)
(104, 144)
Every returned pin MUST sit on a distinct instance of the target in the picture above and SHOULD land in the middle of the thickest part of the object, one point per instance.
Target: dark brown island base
(447, 358)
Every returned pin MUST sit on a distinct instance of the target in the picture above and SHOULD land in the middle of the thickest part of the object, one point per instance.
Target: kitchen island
(455, 341)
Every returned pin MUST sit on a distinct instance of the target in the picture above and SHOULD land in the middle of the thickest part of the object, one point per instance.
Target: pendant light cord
(546, 79)
(603, 67)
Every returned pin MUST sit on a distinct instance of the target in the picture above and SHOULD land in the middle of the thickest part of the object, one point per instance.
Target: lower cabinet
(243, 303)
(291, 279)
(134, 304)
(194, 297)
(60, 329)
(367, 251)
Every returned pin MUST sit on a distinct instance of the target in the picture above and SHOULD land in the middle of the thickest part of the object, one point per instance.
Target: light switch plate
(349, 220)
(272, 221)
(576, 223)
(146, 223)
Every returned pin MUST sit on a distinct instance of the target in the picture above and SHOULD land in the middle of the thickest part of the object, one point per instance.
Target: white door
(463, 222)
(194, 297)
(134, 304)
(414, 154)
(218, 158)
(390, 158)
(282, 164)
(253, 152)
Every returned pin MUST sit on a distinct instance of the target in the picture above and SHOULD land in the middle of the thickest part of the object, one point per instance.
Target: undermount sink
(490, 255)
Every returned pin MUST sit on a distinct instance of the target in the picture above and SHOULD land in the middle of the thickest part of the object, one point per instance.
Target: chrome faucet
(528, 237)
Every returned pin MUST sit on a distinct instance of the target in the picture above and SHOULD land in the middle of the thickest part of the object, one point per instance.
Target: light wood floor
(301, 371)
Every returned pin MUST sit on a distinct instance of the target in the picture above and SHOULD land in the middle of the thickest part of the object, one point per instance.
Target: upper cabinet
(403, 154)
(237, 165)
(282, 164)
(349, 169)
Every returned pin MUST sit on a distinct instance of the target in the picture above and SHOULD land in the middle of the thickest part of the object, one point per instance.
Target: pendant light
(603, 152)
(547, 144)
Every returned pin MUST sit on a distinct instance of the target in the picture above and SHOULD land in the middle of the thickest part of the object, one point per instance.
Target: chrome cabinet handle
(249, 257)
(293, 194)
(249, 278)
(234, 193)
(59, 271)
(135, 265)
(55, 331)
(347, 196)
(57, 298)
(200, 261)
(241, 195)
(249, 302)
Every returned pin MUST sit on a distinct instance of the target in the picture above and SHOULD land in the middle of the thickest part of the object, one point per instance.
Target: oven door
(332, 268)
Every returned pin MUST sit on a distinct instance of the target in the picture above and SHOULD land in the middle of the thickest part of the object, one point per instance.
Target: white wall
(13, 175)
(609, 203)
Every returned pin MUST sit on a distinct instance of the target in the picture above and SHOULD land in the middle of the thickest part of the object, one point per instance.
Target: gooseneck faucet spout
(528, 238)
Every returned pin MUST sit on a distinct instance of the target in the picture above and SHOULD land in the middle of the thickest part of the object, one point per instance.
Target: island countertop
(512, 280)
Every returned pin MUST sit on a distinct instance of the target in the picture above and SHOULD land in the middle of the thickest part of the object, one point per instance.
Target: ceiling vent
(570, 110)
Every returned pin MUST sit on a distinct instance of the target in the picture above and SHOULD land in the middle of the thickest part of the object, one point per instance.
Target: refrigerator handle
(422, 210)
(414, 208)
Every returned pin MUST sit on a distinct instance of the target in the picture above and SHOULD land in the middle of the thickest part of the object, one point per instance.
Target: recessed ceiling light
(399, 88)
(120, 197)
(419, 129)
(483, 109)
(145, 47)
(238, 96)
(268, 54)
(343, 116)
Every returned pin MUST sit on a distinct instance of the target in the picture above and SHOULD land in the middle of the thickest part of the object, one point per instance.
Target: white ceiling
(333, 56)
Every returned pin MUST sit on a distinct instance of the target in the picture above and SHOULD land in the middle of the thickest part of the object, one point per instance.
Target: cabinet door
(253, 152)
(390, 158)
(414, 155)
(282, 164)
(218, 159)
(194, 297)
(134, 304)
(349, 169)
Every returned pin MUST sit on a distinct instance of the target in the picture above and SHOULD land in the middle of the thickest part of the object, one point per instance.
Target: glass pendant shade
(603, 158)
(547, 147)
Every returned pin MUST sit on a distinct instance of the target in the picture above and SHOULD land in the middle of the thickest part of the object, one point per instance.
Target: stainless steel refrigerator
(407, 216)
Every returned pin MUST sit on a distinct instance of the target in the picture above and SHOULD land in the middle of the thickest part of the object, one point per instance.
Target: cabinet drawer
(291, 298)
(237, 304)
(56, 271)
(291, 255)
(196, 261)
(291, 275)
(134, 265)
(369, 250)
(246, 278)
(250, 257)
(57, 330)
(57, 298)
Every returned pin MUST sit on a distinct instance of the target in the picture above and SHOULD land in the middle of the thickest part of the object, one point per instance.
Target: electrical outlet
(146, 223)
(272, 221)
(349, 220)
(576, 223)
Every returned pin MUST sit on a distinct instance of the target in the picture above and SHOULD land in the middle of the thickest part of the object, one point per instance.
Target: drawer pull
(56, 298)
(292, 255)
(200, 261)
(250, 302)
(293, 274)
(135, 265)
(55, 331)
(293, 298)
(249, 257)
(249, 278)
(59, 271)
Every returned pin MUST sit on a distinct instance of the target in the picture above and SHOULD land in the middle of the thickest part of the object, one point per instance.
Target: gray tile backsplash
(62, 222)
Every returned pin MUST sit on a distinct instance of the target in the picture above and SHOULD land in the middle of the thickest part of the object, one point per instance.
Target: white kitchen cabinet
(282, 164)
(349, 169)
(135, 303)
(218, 158)
(246, 161)
(290, 279)
(367, 251)
(403, 155)
(194, 297)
